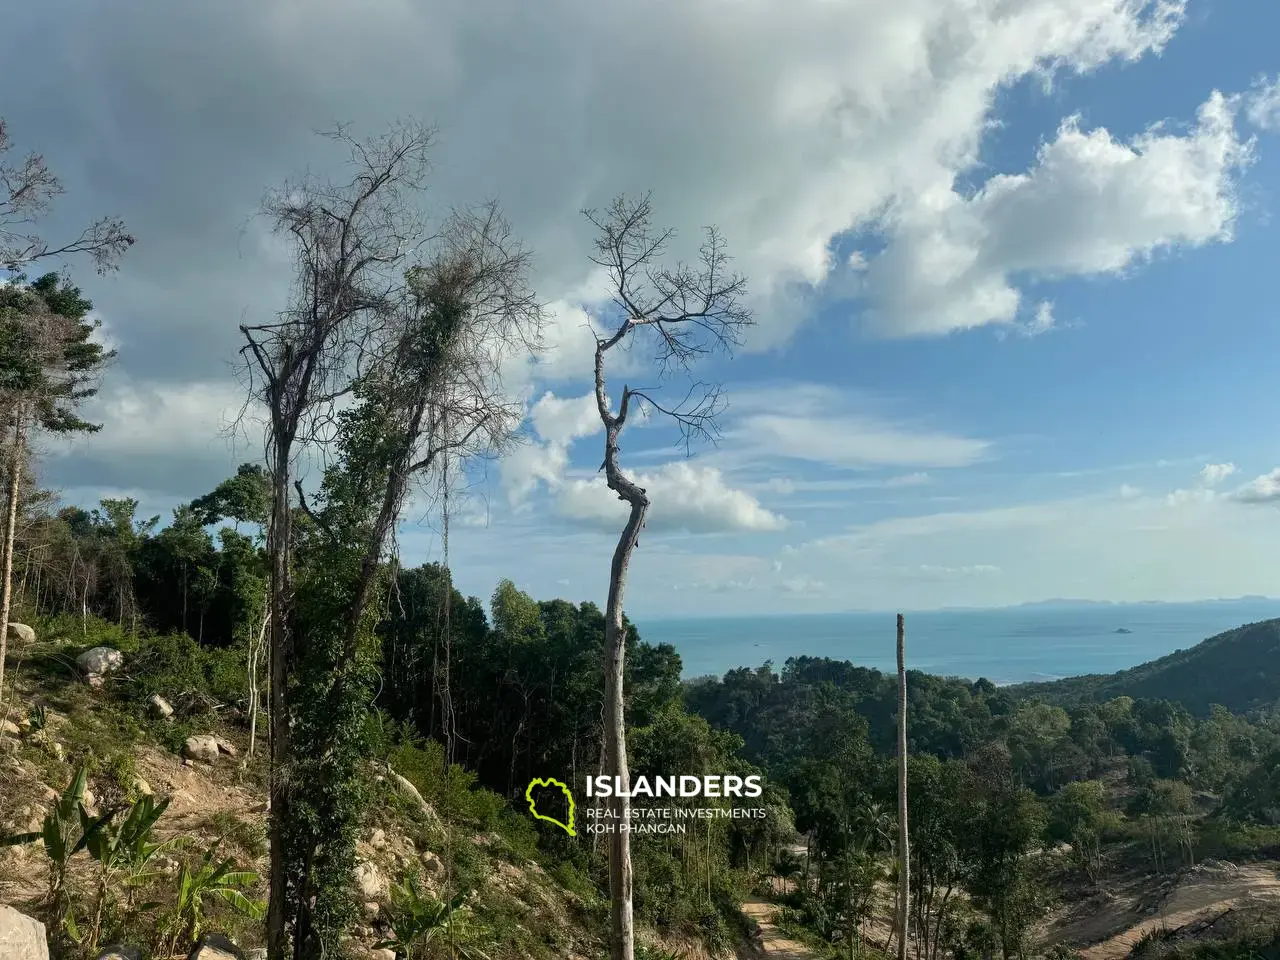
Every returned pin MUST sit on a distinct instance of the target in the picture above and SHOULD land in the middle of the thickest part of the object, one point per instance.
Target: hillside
(453, 839)
(1238, 669)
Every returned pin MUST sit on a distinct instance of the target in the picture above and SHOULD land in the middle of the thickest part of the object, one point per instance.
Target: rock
(214, 946)
(257, 953)
(226, 746)
(48, 794)
(100, 661)
(188, 762)
(58, 750)
(201, 747)
(371, 908)
(9, 728)
(119, 952)
(433, 863)
(160, 707)
(369, 881)
(141, 787)
(95, 680)
(379, 838)
(383, 954)
(22, 632)
(21, 938)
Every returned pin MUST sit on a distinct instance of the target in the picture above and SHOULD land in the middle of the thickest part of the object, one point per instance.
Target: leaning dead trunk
(616, 767)
(11, 522)
(904, 860)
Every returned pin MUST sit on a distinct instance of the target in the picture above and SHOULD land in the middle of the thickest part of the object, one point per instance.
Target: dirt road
(775, 943)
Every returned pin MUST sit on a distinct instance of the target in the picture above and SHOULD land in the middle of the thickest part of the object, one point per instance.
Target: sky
(1012, 266)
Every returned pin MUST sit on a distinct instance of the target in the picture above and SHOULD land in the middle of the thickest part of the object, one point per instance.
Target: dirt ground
(774, 943)
(1110, 924)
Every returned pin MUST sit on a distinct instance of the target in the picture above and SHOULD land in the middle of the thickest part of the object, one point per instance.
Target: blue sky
(1046, 371)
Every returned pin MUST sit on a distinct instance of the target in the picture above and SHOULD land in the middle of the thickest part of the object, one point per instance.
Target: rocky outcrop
(201, 747)
(370, 881)
(22, 632)
(95, 664)
(21, 938)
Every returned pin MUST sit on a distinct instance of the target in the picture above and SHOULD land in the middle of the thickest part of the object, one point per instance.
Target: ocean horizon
(1029, 643)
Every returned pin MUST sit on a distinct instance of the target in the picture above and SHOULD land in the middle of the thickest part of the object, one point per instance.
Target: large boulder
(202, 746)
(99, 661)
(214, 946)
(22, 632)
(21, 938)
(370, 881)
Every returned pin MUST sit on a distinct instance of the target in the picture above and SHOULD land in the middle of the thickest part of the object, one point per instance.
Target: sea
(1031, 643)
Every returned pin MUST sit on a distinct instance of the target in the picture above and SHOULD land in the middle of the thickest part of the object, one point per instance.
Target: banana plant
(127, 846)
(67, 829)
(419, 920)
(197, 884)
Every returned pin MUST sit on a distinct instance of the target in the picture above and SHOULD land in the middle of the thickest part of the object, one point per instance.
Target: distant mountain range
(1239, 669)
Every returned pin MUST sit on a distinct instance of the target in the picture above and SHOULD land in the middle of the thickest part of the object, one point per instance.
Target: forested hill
(1239, 669)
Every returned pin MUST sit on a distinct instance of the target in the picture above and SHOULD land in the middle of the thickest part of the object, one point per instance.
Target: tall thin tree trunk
(620, 875)
(904, 865)
(11, 522)
(278, 718)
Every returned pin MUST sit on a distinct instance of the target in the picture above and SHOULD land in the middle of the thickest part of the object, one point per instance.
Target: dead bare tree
(27, 191)
(350, 241)
(687, 311)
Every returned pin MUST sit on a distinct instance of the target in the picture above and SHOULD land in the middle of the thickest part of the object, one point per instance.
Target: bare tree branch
(27, 191)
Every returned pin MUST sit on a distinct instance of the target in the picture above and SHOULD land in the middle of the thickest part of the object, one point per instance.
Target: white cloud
(1129, 492)
(1214, 473)
(856, 442)
(968, 570)
(1263, 489)
(683, 497)
(558, 422)
(1090, 205)
(814, 423)
(176, 420)
(793, 123)
(1262, 104)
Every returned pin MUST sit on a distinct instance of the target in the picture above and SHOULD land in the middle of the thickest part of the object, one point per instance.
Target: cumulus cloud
(1263, 489)
(684, 497)
(1090, 205)
(557, 423)
(1214, 473)
(793, 122)
(172, 440)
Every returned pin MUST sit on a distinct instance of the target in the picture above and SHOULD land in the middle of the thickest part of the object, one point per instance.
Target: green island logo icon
(533, 804)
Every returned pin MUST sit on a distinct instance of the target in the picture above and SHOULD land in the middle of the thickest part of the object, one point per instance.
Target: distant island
(1122, 630)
